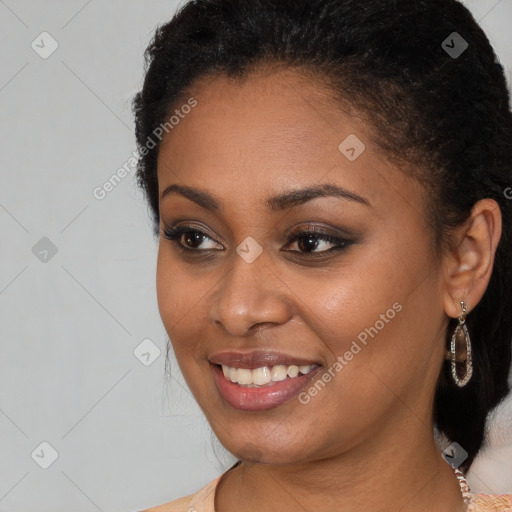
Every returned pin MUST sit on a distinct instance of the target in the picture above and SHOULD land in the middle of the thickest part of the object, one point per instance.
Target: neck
(378, 476)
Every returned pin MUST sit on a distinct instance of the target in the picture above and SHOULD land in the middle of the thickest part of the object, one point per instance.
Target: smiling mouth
(265, 376)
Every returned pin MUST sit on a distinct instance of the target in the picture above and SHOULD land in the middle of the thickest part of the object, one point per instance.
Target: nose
(250, 296)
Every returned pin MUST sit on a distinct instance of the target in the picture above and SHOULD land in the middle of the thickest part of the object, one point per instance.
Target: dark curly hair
(442, 117)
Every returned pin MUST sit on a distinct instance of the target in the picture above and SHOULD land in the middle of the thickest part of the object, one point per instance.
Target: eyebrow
(275, 203)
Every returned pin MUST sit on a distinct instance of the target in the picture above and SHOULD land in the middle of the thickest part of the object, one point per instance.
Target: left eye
(310, 241)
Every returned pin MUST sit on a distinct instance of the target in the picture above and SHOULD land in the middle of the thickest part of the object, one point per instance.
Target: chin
(267, 452)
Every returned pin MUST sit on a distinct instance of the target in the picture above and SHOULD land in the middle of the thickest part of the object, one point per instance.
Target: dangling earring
(460, 339)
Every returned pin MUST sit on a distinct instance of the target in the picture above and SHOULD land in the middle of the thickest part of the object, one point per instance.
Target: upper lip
(257, 359)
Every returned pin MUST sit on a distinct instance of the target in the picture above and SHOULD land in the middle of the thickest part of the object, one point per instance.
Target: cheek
(166, 286)
(341, 303)
(377, 300)
(182, 294)
(176, 295)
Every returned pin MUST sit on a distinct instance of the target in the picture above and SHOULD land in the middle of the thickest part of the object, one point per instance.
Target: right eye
(190, 235)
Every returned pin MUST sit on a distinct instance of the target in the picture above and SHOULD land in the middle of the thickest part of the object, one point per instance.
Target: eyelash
(174, 235)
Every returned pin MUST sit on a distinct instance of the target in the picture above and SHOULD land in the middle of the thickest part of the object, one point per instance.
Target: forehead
(268, 111)
(270, 132)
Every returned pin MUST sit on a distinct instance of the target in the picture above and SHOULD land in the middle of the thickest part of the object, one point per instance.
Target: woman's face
(360, 314)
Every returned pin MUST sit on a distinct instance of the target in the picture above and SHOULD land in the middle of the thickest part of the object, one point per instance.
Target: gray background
(126, 436)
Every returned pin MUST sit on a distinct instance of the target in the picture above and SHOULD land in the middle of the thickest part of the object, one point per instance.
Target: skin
(365, 442)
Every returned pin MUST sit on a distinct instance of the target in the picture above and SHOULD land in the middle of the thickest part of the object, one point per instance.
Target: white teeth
(278, 372)
(244, 376)
(260, 376)
(264, 375)
(293, 371)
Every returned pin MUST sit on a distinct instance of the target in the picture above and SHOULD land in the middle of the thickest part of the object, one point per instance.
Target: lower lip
(260, 399)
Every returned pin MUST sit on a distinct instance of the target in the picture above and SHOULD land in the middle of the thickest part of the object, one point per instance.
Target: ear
(468, 265)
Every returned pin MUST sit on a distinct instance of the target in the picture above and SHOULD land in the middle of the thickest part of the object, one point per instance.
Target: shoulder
(180, 505)
(201, 501)
(491, 503)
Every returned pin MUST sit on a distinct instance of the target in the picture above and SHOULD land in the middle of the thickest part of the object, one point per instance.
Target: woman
(329, 181)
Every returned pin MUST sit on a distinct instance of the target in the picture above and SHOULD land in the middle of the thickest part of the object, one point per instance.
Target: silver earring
(461, 340)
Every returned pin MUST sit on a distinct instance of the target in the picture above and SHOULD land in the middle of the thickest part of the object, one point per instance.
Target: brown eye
(309, 241)
(193, 238)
